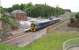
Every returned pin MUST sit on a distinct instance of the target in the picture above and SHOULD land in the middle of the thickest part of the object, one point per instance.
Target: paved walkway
(74, 48)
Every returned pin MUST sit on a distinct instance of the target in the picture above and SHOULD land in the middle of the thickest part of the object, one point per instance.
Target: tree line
(37, 10)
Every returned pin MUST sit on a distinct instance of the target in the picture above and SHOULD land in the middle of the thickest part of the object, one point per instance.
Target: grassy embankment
(53, 41)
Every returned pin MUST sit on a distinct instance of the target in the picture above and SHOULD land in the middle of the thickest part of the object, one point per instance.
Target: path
(74, 48)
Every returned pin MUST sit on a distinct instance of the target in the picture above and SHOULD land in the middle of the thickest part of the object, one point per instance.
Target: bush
(77, 16)
(72, 20)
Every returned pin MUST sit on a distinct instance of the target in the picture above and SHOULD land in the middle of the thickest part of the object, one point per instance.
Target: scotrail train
(35, 24)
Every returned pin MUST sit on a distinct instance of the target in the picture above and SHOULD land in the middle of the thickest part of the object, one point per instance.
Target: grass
(52, 41)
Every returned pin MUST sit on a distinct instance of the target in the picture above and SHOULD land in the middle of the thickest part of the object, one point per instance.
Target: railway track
(58, 25)
(26, 39)
(29, 37)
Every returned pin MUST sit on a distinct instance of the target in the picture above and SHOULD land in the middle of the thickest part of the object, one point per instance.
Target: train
(35, 24)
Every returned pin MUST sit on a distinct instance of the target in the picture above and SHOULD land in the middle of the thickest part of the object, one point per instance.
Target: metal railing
(71, 43)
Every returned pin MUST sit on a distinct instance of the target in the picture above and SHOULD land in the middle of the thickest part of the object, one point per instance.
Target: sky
(65, 4)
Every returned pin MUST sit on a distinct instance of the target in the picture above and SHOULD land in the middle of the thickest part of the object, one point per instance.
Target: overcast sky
(66, 4)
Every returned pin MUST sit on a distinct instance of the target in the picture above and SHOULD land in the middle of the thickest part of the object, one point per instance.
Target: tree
(28, 8)
(22, 6)
(38, 10)
(72, 20)
(77, 16)
(8, 23)
(16, 6)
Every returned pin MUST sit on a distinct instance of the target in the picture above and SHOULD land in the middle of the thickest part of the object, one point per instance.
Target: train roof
(35, 20)
(43, 20)
(56, 18)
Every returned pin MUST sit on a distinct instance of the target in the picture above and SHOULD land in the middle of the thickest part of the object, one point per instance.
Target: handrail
(71, 43)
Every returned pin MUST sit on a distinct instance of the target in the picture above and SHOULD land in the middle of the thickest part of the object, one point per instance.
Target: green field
(52, 41)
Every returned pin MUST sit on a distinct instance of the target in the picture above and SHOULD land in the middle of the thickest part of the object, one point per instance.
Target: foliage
(8, 24)
(72, 20)
(77, 16)
(75, 19)
(28, 8)
(1, 11)
(37, 10)
(6, 19)
(10, 21)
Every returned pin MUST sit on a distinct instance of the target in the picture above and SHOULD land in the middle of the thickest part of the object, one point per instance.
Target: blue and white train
(35, 24)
